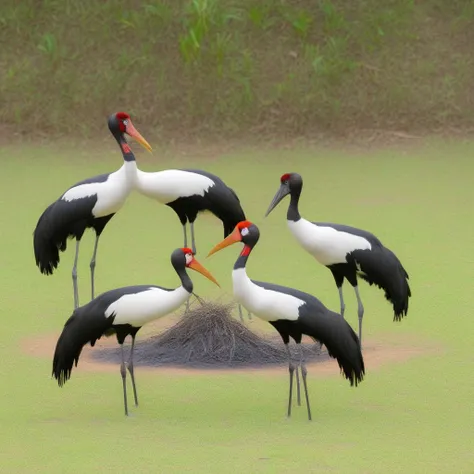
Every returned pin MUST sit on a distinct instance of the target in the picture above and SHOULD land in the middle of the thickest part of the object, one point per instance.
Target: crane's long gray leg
(123, 373)
(92, 265)
(130, 369)
(241, 314)
(298, 389)
(291, 369)
(341, 300)
(74, 276)
(304, 373)
(360, 312)
(193, 242)
(185, 236)
(186, 245)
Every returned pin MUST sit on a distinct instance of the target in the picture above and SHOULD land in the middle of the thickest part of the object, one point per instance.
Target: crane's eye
(244, 231)
(125, 122)
(189, 258)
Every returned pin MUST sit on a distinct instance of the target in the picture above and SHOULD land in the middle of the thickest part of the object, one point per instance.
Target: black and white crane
(90, 203)
(348, 252)
(123, 312)
(293, 313)
(189, 192)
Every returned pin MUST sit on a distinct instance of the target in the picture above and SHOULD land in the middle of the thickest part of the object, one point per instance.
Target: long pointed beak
(229, 240)
(195, 265)
(135, 134)
(283, 191)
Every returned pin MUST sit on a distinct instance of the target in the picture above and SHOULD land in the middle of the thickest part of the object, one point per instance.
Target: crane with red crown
(347, 252)
(90, 203)
(293, 313)
(123, 312)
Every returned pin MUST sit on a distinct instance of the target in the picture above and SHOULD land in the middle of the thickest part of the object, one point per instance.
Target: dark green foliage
(234, 66)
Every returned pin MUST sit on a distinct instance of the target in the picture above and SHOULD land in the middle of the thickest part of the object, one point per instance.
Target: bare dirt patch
(378, 352)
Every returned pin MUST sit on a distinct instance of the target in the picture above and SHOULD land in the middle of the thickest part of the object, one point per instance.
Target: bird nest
(209, 337)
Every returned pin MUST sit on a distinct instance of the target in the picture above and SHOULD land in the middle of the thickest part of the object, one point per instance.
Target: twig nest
(207, 336)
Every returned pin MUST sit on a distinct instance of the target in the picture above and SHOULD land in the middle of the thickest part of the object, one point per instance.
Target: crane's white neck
(129, 171)
(265, 303)
(242, 285)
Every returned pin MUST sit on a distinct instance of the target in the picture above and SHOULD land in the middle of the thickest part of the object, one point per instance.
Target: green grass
(234, 66)
(411, 417)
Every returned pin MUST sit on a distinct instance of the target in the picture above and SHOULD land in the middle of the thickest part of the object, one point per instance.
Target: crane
(189, 192)
(90, 203)
(293, 314)
(347, 252)
(123, 312)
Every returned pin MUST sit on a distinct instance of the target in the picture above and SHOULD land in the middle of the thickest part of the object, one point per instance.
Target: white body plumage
(267, 304)
(328, 245)
(137, 309)
(111, 194)
(168, 185)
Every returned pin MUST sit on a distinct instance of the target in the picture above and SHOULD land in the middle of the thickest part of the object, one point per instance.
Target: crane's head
(244, 232)
(290, 183)
(121, 123)
(184, 258)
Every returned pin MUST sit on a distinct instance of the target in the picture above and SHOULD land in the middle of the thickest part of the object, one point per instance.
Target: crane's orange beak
(195, 265)
(229, 240)
(135, 134)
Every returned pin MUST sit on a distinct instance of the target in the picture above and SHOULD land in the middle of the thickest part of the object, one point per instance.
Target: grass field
(413, 417)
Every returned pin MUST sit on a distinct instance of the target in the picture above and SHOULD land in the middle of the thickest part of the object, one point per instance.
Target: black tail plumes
(381, 267)
(348, 352)
(342, 343)
(62, 220)
(46, 246)
(84, 326)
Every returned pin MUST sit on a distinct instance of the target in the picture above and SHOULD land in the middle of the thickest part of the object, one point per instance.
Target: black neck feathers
(178, 260)
(125, 148)
(186, 282)
(296, 185)
(293, 214)
(242, 258)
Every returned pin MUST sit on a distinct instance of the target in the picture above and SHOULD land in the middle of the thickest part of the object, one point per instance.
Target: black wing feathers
(381, 267)
(86, 324)
(222, 201)
(60, 220)
(329, 328)
(337, 335)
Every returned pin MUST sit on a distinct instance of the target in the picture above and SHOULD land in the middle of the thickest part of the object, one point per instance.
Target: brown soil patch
(378, 352)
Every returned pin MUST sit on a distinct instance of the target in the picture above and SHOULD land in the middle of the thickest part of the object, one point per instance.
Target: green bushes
(237, 66)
